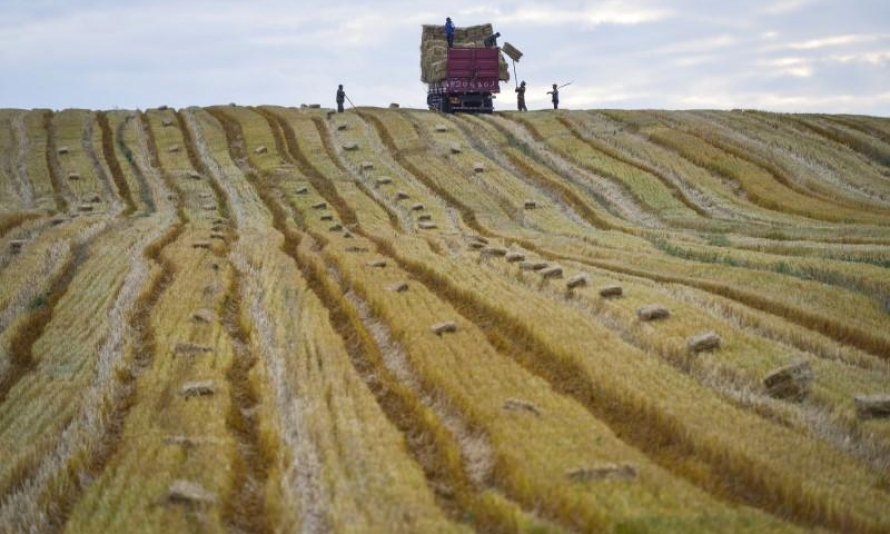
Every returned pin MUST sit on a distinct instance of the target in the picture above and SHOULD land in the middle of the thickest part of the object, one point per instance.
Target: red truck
(473, 77)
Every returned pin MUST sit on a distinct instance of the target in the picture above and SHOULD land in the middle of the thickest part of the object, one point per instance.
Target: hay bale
(350, 147)
(516, 405)
(455, 148)
(532, 265)
(426, 225)
(327, 217)
(401, 195)
(92, 199)
(63, 150)
(314, 106)
(173, 148)
(366, 166)
(166, 123)
(201, 244)
(320, 206)
(377, 264)
(611, 291)
(163, 108)
(218, 235)
(476, 244)
(704, 341)
(478, 167)
(209, 207)
(58, 220)
(603, 472)
(202, 316)
(579, 280)
(194, 175)
(441, 128)
(347, 235)
(653, 312)
(511, 51)
(187, 348)
(335, 228)
(15, 246)
(401, 287)
(530, 204)
(425, 217)
(872, 406)
(444, 328)
(384, 180)
(791, 382)
(498, 252)
(261, 150)
(189, 493)
(330, 114)
(513, 256)
(203, 388)
(342, 126)
(205, 194)
(74, 176)
(394, 105)
(354, 248)
(417, 207)
(301, 190)
(86, 208)
(551, 272)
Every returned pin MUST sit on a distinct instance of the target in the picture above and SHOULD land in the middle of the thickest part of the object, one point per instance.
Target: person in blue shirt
(555, 97)
(449, 32)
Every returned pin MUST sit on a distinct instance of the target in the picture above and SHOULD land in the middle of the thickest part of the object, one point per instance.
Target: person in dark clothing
(341, 97)
(555, 97)
(520, 97)
(449, 32)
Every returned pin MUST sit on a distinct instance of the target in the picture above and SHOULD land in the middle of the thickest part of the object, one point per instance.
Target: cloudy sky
(783, 55)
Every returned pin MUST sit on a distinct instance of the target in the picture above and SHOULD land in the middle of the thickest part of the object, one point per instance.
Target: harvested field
(258, 319)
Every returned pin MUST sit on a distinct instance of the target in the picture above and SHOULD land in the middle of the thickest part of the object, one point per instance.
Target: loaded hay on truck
(465, 77)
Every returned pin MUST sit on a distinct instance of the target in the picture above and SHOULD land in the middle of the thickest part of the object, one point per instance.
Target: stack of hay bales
(434, 50)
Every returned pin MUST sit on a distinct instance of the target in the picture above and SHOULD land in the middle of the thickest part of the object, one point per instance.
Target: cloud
(835, 40)
(610, 12)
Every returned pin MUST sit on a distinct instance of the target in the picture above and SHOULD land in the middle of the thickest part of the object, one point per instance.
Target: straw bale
(327, 217)
(417, 207)
(201, 244)
(342, 126)
(579, 280)
(513, 256)
(551, 272)
(58, 220)
(314, 106)
(15, 246)
(476, 244)
(217, 235)
(511, 51)
(434, 49)
(355, 248)
(426, 225)
(209, 207)
(530, 204)
(517, 405)
(478, 167)
(366, 165)
(173, 148)
(63, 150)
(301, 190)
(611, 291)
(401, 195)
(203, 316)
(187, 347)
(350, 146)
(791, 382)
(379, 264)
(93, 199)
(330, 114)
(653, 312)
(872, 406)
(455, 148)
(261, 149)
(163, 107)
(444, 328)
(532, 265)
(202, 388)
(336, 228)
(401, 287)
(190, 493)
(499, 252)
(441, 128)
(704, 341)
(167, 122)
(394, 105)
(85, 208)
(347, 235)
(425, 217)
(384, 180)
(320, 206)
(603, 472)
(194, 175)
(74, 176)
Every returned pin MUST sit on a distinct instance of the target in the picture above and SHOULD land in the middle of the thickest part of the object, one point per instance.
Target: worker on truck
(555, 97)
(449, 32)
(520, 97)
(341, 98)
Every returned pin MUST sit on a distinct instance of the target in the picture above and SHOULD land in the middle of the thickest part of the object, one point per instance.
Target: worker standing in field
(555, 97)
(449, 32)
(341, 97)
(520, 97)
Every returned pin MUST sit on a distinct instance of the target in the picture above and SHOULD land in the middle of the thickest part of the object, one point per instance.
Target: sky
(829, 56)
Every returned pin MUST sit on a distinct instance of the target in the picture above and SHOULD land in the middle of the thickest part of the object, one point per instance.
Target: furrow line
(26, 189)
(117, 174)
(63, 194)
(86, 138)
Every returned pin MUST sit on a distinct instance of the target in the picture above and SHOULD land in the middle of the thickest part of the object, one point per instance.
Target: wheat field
(268, 319)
